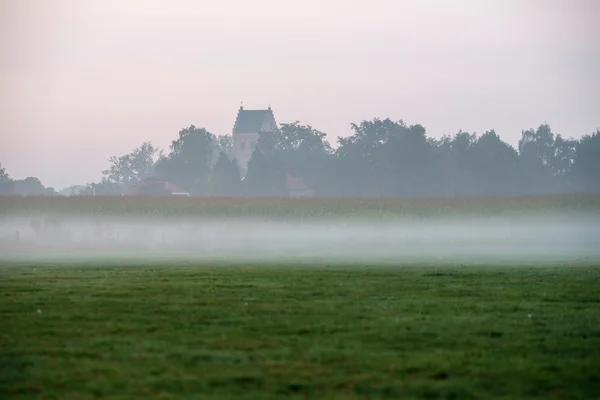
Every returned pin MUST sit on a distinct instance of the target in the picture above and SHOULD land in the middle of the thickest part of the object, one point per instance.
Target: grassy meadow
(299, 331)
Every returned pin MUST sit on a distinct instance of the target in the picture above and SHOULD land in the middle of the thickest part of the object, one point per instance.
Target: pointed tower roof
(251, 121)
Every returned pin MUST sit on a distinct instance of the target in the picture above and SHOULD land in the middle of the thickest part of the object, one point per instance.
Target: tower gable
(254, 121)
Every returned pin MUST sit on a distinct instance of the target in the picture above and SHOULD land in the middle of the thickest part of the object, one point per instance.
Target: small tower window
(242, 144)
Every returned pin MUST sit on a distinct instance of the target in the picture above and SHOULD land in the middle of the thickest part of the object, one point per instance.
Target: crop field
(188, 298)
(130, 206)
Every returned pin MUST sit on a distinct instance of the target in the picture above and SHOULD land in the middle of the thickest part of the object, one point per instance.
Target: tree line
(381, 158)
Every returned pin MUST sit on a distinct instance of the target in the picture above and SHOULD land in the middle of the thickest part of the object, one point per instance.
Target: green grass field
(299, 331)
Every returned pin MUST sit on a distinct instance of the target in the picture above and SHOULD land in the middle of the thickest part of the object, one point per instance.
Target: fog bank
(493, 240)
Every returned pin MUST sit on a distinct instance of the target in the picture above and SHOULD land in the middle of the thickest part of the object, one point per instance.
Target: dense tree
(103, 188)
(381, 158)
(564, 156)
(358, 170)
(130, 169)
(415, 167)
(305, 152)
(72, 190)
(267, 167)
(585, 172)
(538, 155)
(6, 184)
(295, 136)
(453, 154)
(30, 186)
(49, 191)
(188, 164)
(386, 158)
(3, 175)
(225, 179)
(222, 144)
(494, 167)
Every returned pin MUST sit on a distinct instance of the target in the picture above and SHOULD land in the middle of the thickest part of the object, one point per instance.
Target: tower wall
(243, 147)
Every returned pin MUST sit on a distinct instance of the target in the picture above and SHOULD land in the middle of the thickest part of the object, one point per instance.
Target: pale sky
(81, 80)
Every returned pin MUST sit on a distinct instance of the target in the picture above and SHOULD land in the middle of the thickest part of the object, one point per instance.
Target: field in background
(175, 331)
(295, 208)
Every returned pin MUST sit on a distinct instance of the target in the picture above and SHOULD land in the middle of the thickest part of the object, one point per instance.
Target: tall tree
(386, 158)
(360, 165)
(189, 162)
(585, 171)
(73, 190)
(295, 136)
(266, 168)
(224, 145)
(305, 152)
(129, 169)
(494, 166)
(30, 186)
(538, 154)
(6, 184)
(3, 175)
(563, 159)
(225, 179)
(103, 188)
(410, 167)
(454, 154)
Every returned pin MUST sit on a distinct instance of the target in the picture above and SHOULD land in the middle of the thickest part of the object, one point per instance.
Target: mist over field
(559, 238)
(319, 199)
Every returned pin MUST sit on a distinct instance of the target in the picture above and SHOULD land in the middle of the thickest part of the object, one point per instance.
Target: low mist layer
(481, 240)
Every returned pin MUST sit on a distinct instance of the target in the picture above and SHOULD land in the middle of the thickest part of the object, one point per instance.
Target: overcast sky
(83, 80)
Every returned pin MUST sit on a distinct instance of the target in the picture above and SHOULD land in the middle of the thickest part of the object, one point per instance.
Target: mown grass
(260, 332)
(296, 208)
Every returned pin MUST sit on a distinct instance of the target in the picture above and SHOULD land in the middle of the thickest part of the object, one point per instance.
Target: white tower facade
(248, 126)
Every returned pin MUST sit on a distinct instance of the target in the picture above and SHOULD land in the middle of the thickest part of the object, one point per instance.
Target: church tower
(248, 126)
